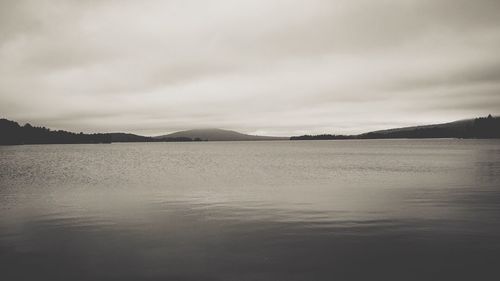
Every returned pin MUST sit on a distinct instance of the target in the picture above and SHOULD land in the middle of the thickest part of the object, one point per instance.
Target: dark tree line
(488, 127)
(12, 133)
(482, 128)
(323, 137)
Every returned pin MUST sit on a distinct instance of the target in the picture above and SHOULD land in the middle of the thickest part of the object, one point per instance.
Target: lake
(282, 210)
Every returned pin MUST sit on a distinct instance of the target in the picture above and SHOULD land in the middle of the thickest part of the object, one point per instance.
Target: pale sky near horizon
(257, 66)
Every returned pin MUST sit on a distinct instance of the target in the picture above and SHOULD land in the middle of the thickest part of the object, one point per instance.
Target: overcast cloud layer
(258, 66)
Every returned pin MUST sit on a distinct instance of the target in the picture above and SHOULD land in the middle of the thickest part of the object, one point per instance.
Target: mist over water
(317, 210)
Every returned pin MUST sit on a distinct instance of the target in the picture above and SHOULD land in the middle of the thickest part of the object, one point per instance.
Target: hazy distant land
(12, 133)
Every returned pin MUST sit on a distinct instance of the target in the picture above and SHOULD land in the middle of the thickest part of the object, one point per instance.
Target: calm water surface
(317, 210)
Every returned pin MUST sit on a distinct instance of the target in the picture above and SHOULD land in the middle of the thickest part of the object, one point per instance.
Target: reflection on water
(325, 210)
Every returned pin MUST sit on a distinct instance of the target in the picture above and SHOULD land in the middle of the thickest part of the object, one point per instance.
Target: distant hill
(218, 135)
(457, 126)
(484, 127)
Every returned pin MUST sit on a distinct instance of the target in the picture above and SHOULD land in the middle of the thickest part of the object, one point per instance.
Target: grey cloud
(483, 73)
(257, 66)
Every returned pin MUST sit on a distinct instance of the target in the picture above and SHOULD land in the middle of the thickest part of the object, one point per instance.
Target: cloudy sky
(258, 66)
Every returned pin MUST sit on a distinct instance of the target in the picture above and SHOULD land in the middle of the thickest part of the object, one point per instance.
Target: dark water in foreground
(322, 210)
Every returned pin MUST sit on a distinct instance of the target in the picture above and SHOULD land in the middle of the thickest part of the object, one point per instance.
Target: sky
(270, 67)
